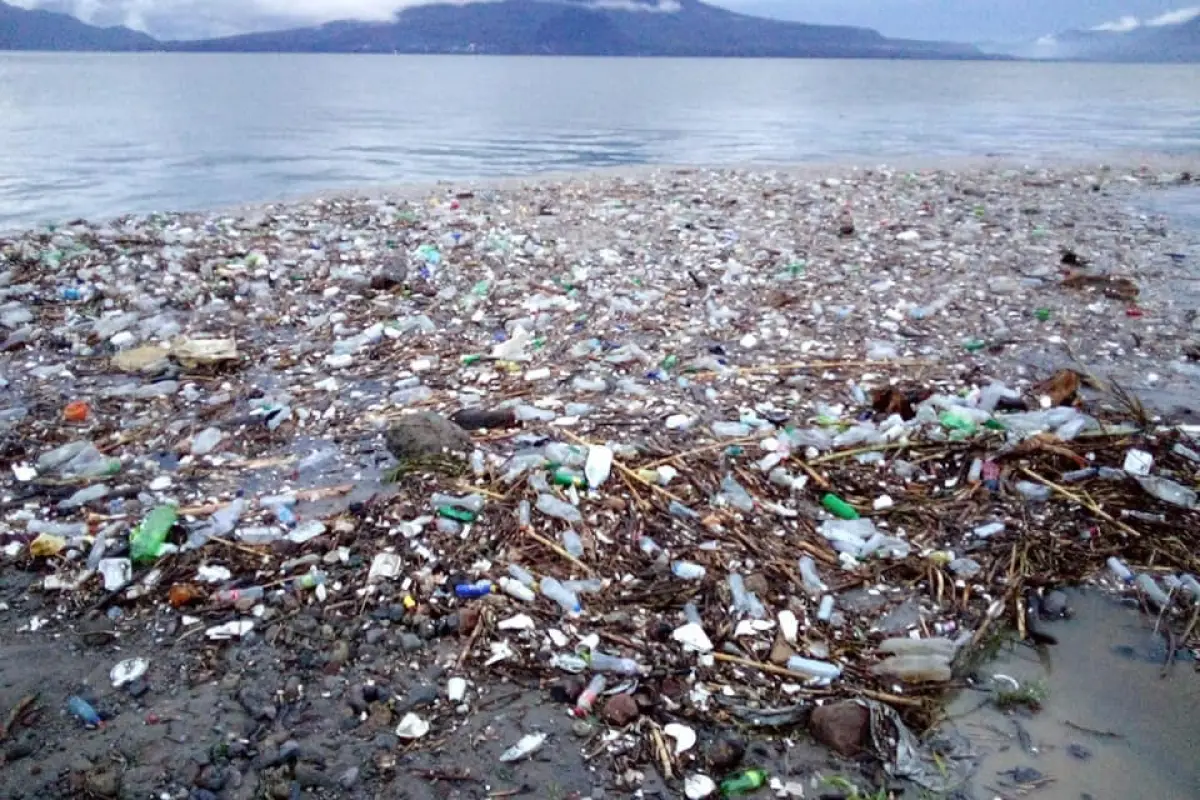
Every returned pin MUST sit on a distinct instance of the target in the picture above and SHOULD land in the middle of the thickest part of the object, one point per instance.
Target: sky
(959, 20)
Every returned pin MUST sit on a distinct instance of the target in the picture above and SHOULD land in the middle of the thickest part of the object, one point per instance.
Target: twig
(17, 712)
(466, 651)
(542, 540)
(1083, 501)
(1093, 731)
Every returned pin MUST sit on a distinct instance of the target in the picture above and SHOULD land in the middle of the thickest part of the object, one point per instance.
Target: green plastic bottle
(838, 507)
(148, 537)
(749, 781)
(458, 514)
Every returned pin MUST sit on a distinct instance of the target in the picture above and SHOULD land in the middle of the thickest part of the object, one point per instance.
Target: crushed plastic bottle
(1168, 491)
(551, 506)
(810, 577)
(82, 710)
(1033, 492)
(146, 540)
(571, 542)
(745, 602)
(1118, 569)
(734, 494)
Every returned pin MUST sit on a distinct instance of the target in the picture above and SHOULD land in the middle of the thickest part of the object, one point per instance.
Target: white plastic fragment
(128, 671)
(698, 786)
(685, 737)
(526, 746)
(412, 727)
(230, 630)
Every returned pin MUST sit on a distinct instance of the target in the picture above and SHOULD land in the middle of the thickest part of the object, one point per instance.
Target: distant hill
(1164, 43)
(585, 27)
(46, 30)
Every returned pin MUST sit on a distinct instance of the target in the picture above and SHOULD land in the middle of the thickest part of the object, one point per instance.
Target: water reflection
(102, 134)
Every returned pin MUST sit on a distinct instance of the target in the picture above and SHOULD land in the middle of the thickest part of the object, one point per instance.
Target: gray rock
(1054, 605)
(426, 435)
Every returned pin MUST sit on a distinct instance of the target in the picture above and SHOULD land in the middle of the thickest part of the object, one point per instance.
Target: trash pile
(698, 450)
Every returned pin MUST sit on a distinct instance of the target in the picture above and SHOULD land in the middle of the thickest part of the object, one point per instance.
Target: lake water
(101, 135)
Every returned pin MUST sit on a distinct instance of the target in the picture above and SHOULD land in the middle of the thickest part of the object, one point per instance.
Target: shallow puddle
(1112, 726)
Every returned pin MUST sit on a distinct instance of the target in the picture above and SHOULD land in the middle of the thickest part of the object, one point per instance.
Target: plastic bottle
(1078, 475)
(66, 530)
(1033, 492)
(1153, 591)
(687, 570)
(808, 574)
(225, 520)
(731, 430)
(599, 465)
(1119, 569)
(469, 591)
(838, 507)
(736, 495)
(915, 669)
(566, 599)
(589, 586)
(976, 470)
(522, 575)
(905, 646)
(228, 597)
(648, 545)
(551, 506)
(745, 782)
(825, 610)
(515, 589)
(603, 662)
(1168, 491)
(84, 496)
(309, 580)
(745, 602)
(284, 514)
(146, 540)
(83, 710)
(987, 530)
(587, 698)
(813, 668)
(678, 509)
(524, 514)
(456, 514)
(1191, 586)
(471, 502)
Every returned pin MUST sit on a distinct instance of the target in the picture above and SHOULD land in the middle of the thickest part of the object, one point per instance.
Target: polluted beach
(684, 483)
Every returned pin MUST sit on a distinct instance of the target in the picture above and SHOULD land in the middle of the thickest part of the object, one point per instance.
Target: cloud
(1129, 22)
(1122, 25)
(1177, 17)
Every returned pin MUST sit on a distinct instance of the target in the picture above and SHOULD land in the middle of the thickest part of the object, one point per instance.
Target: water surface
(106, 134)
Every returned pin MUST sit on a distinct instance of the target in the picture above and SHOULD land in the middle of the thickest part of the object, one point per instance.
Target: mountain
(585, 27)
(1176, 42)
(46, 30)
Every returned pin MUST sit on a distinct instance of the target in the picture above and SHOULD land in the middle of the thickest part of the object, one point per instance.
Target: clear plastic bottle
(814, 668)
(566, 599)
(551, 506)
(515, 589)
(915, 669)
(811, 579)
(905, 646)
(736, 495)
(572, 543)
(687, 570)
(745, 602)
(523, 575)
(1118, 569)
(1168, 491)
(1152, 590)
(222, 522)
(731, 430)
(524, 514)
(987, 530)
(228, 597)
(587, 698)
(1033, 492)
(825, 610)
(603, 662)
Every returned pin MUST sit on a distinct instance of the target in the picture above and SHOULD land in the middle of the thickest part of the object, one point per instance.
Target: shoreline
(1114, 161)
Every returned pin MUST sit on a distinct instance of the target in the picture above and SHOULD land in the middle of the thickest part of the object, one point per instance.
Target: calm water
(97, 135)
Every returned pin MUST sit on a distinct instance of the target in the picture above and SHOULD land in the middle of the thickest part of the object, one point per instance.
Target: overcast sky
(963, 20)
